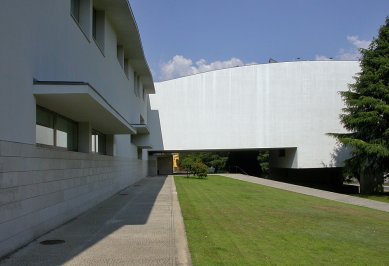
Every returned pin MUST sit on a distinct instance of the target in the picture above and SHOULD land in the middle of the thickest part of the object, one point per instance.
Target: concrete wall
(283, 158)
(329, 178)
(281, 105)
(165, 165)
(43, 41)
(152, 166)
(41, 188)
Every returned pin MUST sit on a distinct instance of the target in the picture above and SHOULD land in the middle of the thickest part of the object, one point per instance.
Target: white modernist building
(74, 91)
(77, 124)
(287, 108)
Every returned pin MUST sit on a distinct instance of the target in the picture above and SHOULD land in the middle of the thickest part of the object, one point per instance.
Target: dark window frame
(98, 29)
(54, 125)
(75, 9)
(102, 139)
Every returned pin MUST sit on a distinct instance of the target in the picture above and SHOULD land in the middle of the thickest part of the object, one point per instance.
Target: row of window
(55, 130)
(99, 142)
(138, 89)
(80, 11)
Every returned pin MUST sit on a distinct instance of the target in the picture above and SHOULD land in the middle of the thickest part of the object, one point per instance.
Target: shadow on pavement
(131, 206)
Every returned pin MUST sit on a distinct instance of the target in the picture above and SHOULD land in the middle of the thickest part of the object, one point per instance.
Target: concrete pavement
(382, 206)
(141, 225)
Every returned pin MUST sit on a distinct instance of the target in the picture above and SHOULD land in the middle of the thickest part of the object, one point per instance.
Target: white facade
(291, 106)
(80, 64)
(78, 60)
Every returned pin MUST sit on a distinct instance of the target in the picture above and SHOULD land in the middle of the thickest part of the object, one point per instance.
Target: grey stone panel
(41, 188)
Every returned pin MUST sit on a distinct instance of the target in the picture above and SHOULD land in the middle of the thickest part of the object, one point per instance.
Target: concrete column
(152, 165)
(84, 137)
(165, 165)
(145, 154)
(109, 145)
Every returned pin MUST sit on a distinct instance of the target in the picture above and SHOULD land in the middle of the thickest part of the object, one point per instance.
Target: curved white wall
(291, 104)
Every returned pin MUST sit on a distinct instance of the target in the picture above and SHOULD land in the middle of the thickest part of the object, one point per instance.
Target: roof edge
(256, 64)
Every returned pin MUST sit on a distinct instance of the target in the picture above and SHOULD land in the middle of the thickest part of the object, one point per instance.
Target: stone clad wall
(42, 188)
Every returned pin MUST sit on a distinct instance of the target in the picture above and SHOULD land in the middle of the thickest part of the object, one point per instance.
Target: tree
(200, 169)
(193, 166)
(210, 159)
(366, 116)
(186, 164)
(263, 159)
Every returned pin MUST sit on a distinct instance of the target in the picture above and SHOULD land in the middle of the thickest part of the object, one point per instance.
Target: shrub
(199, 169)
(186, 164)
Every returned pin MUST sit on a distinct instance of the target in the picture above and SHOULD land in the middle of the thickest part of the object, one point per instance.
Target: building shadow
(131, 206)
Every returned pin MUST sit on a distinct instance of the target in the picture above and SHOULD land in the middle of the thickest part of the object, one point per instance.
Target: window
(98, 26)
(75, 9)
(120, 55)
(94, 22)
(139, 153)
(99, 142)
(44, 127)
(281, 153)
(80, 11)
(136, 84)
(55, 130)
(126, 66)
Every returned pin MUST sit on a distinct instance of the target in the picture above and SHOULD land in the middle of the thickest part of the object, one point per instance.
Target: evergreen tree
(366, 116)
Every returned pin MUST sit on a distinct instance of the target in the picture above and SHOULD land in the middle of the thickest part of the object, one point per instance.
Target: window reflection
(98, 142)
(44, 135)
(55, 130)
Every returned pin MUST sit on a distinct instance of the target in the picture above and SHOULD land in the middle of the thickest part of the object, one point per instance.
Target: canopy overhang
(80, 102)
(141, 129)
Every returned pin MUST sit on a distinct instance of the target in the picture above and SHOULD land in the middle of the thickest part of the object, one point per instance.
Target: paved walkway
(142, 225)
(382, 206)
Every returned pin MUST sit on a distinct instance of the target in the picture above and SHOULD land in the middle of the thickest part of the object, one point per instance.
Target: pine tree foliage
(366, 115)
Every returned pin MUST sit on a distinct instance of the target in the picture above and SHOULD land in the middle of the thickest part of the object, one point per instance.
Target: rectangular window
(75, 9)
(139, 152)
(120, 55)
(98, 28)
(55, 130)
(99, 142)
(126, 66)
(135, 84)
(44, 127)
(138, 86)
(94, 24)
(80, 10)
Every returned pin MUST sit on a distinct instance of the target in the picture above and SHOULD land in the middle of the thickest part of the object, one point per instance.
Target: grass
(231, 222)
(383, 197)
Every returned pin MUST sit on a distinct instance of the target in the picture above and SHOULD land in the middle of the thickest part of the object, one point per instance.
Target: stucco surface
(280, 105)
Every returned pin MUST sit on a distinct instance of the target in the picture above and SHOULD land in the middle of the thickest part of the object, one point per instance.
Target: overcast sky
(183, 37)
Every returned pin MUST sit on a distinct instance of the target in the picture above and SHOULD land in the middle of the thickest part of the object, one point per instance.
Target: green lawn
(230, 222)
(383, 198)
